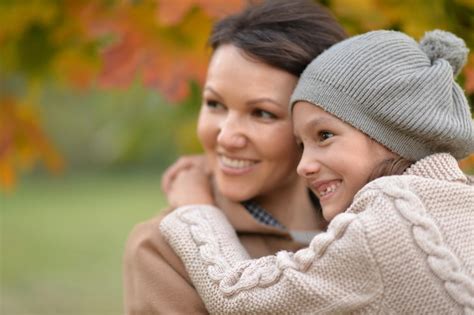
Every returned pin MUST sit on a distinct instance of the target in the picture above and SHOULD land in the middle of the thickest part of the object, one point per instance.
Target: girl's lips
(235, 166)
(325, 189)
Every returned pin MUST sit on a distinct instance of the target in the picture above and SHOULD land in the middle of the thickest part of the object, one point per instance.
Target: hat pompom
(441, 44)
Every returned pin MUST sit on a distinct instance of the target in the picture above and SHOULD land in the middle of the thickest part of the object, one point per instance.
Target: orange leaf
(23, 142)
(219, 8)
(172, 12)
(7, 175)
(77, 69)
(469, 74)
(166, 49)
(467, 164)
(121, 62)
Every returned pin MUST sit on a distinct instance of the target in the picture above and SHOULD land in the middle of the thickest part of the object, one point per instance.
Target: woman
(246, 132)
(373, 105)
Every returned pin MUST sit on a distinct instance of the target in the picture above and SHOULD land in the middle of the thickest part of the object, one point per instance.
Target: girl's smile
(325, 189)
(337, 159)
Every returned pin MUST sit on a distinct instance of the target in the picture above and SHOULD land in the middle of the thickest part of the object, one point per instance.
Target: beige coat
(155, 280)
(405, 246)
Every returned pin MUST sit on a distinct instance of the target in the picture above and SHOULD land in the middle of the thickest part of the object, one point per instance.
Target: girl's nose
(231, 134)
(308, 166)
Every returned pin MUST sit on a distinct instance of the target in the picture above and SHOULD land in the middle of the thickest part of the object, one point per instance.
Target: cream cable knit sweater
(406, 245)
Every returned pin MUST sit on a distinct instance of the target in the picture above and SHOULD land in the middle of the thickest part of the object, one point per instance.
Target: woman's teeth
(233, 163)
(329, 189)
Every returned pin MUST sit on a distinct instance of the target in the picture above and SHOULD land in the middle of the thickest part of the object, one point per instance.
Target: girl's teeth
(329, 189)
(236, 163)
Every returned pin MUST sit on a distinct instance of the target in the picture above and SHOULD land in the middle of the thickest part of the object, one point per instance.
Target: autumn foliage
(161, 43)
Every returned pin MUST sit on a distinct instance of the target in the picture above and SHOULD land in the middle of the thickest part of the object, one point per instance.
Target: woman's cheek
(207, 130)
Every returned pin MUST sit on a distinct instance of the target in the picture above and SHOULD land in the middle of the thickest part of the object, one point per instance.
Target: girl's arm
(337, 273)
(189, 185)
(184, 162)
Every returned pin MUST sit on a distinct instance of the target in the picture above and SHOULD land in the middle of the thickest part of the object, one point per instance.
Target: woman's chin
(236, 194)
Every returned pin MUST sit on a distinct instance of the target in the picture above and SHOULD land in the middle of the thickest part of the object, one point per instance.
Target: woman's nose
(231, 134)
(308, 166)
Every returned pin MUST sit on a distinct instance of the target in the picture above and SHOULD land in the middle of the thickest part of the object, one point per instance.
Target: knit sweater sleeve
(335, 274)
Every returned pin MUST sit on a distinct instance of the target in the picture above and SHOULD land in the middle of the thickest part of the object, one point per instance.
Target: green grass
(62, 241)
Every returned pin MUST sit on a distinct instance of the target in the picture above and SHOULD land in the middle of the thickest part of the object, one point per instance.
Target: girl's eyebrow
(313, 123)
(318, 121)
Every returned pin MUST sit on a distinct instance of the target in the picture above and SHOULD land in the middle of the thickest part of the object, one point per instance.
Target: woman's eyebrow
(208, 88)
(263, 100)
(248, 103)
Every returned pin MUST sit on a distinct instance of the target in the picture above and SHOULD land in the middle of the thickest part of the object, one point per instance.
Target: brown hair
(394, 166)
(285, 34)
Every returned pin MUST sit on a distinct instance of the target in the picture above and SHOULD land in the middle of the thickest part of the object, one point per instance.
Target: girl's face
(244, 125)
(337, 159)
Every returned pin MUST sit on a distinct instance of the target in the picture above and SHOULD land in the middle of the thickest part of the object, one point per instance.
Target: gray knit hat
(400, 93)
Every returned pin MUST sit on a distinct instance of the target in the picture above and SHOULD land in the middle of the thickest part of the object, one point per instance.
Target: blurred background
(97, 97)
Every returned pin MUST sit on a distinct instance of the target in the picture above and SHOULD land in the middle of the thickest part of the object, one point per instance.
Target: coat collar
(440, 166)
(242, 220)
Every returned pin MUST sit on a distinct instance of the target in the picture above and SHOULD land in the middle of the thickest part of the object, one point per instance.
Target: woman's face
(337, 159)
(244, 125)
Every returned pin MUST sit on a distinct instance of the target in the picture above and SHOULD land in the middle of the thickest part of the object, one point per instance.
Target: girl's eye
(325, 135)
(263, 114)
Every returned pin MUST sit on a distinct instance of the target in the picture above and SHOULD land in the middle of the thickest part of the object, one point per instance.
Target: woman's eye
(213, 104)
(264, 114)
(324, 135)
(300, 145)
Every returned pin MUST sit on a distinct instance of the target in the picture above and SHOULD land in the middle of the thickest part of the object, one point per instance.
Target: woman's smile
(247, 132)
(236, 166)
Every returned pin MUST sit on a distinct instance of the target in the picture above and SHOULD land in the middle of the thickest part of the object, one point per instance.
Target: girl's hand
(190, 186)
(182, 163)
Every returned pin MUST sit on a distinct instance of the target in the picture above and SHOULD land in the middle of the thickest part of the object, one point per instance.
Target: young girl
(246, 132)
(404, 244)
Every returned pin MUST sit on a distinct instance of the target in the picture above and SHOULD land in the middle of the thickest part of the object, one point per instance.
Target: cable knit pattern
(406, 245)
(264, 272)
(202, 232)
(441, 259)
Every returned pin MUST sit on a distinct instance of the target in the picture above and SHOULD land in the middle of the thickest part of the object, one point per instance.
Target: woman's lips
(236, 166)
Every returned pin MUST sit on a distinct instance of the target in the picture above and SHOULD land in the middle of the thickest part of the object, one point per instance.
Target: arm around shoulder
(336, 273)
(155, 280)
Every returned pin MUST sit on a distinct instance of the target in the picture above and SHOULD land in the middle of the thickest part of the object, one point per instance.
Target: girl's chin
(329, 213)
